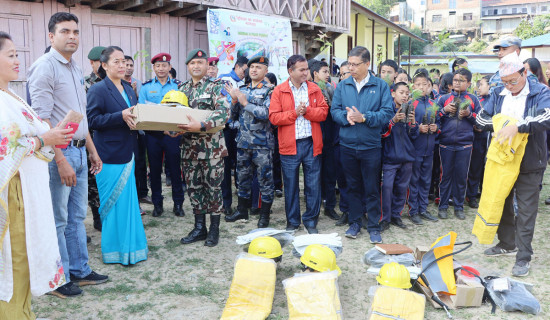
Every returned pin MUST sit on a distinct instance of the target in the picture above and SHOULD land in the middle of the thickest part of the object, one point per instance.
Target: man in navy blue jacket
(528, 101)
(361, 105)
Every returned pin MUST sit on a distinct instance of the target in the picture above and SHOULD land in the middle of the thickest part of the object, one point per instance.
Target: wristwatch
(203, 127)
(364, 119)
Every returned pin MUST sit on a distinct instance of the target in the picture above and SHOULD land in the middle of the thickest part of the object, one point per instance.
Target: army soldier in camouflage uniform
(202, 152)
(89, 80)
(255, 141)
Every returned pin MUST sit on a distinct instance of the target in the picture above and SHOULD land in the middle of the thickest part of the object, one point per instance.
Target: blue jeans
(70, 205)
(362, 170)
(312, 180)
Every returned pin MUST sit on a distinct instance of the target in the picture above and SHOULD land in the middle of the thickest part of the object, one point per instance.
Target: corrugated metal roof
(543, 40)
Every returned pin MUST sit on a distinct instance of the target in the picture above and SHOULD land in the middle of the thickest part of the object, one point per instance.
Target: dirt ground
(192, 281)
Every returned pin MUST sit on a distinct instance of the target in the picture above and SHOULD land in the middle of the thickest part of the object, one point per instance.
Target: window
(423, 2)
(514, 10)
(495, 12)
(523, 10)
(452, 4)
(533, 9)
(436, 1)
(504, 11)
(436, 18)
(543, 8)
(467, 17)
(452, 13)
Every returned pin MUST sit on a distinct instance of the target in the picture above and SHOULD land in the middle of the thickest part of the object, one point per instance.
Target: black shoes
(343, 221)
(92, 279)
(290, 227)
(178, 210)
(427, 216)
(214, 232)
(255, 211)
(398, 223)
(227, 211)
(279, 193)
(242, 211)
(158, 210)
(547, 201)
(199, 232)
(168, 181)
(332, 214)
(265, 211)
(146, 200)
(443, 214)
(415, 218)
(384, 225)
(97, 219)
(67, 290)
(312, 230)
(459, 213)
(473, 203)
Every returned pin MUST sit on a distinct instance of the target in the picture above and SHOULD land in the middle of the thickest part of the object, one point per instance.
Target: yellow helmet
(320, 258)
(267, 247)
(394, 275)
(174, 96)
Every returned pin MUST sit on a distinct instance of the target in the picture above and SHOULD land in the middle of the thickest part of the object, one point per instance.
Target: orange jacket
(282, 113)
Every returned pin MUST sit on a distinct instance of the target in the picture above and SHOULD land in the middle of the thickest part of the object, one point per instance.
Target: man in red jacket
(297, 108)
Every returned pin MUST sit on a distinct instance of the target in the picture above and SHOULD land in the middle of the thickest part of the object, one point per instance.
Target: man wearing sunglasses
(528, 101)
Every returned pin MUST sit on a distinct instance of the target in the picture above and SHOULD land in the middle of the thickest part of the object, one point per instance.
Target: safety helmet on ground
(394, 275)
(267, 247)
(174, 96)
(320, 258)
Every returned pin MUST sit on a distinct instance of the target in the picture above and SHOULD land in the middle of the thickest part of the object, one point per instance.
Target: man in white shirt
(528, 101)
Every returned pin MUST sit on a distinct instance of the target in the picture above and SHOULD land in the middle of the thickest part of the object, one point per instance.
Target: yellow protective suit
(501, 172)
(313, 296)
(252, 289)
(394, 303)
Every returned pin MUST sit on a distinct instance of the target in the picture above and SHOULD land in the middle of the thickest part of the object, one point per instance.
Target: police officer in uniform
(89, 80)
(203, 152)
(255, 141)
(161, 144)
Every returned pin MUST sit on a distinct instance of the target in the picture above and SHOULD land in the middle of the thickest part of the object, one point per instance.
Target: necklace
(13, 95)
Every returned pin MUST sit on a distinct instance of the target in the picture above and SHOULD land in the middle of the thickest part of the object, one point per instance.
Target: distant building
(457, 16)
(409, 13)
(503, 16)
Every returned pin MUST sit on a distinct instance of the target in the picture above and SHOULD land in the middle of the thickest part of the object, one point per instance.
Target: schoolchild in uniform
(479, 150)
(458, 112)
(427, 117)
(397, 160)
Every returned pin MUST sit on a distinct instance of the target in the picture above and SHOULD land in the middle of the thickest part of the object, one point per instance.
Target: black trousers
(141, 167)
(517, 231)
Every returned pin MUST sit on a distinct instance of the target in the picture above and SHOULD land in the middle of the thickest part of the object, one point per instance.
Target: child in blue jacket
(458, 115)
(479, 150)
(427, 117)
(397, 159)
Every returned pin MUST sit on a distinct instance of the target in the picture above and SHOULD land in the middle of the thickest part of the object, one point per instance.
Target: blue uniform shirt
(153, 91)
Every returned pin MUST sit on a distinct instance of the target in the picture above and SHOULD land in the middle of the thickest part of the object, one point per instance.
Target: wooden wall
(27, 22)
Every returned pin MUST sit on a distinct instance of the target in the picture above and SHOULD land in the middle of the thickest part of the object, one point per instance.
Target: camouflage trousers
(261, 162)
(93, 194)
(204, 179)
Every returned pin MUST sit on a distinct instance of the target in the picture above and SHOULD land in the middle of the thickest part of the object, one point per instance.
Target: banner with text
(232, 34)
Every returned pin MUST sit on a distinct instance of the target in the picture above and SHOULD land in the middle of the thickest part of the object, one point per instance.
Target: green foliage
(381, 7)
(533, 27)
(444, 43)
(476, 46)
(417, 46)
(323, 37)
(144, 61)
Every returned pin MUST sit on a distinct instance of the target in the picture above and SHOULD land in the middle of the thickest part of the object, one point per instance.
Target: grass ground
(192, 281)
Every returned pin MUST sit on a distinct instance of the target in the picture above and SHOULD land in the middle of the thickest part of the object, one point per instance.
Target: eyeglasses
(459, 81)
(354, 65)
(344, 74)
(512, 83)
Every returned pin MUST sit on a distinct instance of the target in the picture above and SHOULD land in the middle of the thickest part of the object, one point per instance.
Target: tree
(381, 7)
(417, 46)
(529, 28)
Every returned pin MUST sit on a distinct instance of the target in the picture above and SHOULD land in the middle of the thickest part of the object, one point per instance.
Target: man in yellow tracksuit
(528, 101)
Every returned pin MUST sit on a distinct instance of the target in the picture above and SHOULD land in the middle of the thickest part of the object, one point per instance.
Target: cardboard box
(156, 117)
(420, 251)
(467, 294)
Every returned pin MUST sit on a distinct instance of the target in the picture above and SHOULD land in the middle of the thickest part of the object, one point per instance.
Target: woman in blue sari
(109, 115)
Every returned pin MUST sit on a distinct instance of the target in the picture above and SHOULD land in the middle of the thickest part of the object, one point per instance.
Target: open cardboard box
(468, 294)
(154, 117)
